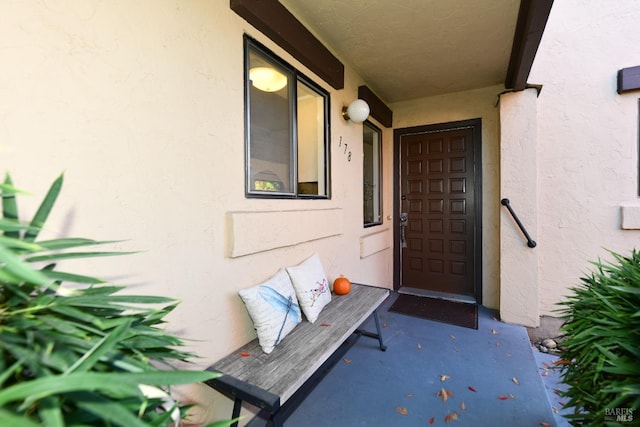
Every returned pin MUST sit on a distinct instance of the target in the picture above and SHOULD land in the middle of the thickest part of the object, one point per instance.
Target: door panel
(438, 191)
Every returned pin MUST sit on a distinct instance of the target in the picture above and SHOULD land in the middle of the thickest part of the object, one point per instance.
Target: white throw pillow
(274, 309)
(311, 285)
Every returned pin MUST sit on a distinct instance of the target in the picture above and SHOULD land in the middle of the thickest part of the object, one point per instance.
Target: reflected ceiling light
(357, 111)
(267, 79)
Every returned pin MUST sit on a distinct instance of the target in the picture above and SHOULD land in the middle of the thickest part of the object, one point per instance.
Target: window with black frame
(287, 138)
(372, 182)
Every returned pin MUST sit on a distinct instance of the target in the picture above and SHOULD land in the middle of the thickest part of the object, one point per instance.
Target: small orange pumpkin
(341, 286)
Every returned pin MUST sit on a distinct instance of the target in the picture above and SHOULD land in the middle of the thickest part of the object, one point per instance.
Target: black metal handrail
(530, 242)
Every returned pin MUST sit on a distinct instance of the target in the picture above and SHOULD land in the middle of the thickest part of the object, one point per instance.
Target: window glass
(270, 138)
(372, 143)
(287, 122)
(311, 141)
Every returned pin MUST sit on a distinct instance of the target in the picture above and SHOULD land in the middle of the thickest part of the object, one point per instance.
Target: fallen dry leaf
(472, 389)
(401, 411)
(497, 344)
(431, 420)
(503, 397)
(495, 318)
(245, 354)
(546, 364)
(384, 325)
(511, 396)
(447, 419)
(561, 403)
(444, 394)
(456, 349)
(562, 362)
(545, 373)
(324, 324)
(345, 360)
(494, 332)
(515, 380)
(555, 409)
(453, 337)
(543, 424)
(444, 377)
(454, 416)
(419, 346)
(463, 406)
(409, 394)
(508, 354)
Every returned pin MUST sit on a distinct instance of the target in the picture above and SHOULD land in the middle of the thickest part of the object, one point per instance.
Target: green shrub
(602, 346)
(80, 354)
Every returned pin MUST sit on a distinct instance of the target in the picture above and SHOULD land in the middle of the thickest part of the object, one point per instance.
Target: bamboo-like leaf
(50, 412)
(112, 412)
(9, 206)
(131, 299)
(101, 348)
(73, 255)
(9, 371)
(12, 242)
(8, 225)
(627, 289)
(71, 277)
(122, 383)
(223, 423)
(8, 418)
(44, 209)
(7, 277)
(75, 242)
(21, 269)
(74, 313)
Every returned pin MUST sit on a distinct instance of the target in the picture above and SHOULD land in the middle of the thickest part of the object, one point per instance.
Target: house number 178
(346, 149)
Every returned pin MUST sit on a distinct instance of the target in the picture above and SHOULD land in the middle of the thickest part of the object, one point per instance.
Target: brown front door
(438, 210)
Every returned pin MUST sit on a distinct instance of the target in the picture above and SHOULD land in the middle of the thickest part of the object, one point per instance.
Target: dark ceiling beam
(628, 79)
(277, 23)
(378, 109)
(532, 18)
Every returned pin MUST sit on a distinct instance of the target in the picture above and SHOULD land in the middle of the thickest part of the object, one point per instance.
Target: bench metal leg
(375, 317)
(377, 336)
(276, 420)
(237, 406)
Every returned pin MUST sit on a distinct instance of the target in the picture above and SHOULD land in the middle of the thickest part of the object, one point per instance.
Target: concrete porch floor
(490, 377)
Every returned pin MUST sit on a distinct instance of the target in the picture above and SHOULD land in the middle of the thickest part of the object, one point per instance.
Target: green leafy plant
(601, 352)
(79, 353)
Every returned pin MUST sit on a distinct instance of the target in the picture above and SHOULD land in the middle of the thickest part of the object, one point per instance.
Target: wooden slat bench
(267, 381)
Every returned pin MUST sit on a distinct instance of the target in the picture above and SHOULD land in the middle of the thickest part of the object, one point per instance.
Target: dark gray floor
(490, 376)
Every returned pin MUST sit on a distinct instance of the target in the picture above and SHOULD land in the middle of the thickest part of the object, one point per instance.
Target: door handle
(404, 219)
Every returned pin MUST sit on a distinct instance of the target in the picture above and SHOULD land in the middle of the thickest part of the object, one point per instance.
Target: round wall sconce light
(357, 111)
(267, 79)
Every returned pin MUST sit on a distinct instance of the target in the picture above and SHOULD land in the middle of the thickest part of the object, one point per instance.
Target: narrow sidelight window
(287, 136)
(372, 145)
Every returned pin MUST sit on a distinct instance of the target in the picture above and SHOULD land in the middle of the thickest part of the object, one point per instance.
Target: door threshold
(435, 294)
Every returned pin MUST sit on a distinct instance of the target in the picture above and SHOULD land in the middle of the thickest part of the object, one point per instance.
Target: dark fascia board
(628, 79)
(532, 18)
(378, 109)
(277, 23)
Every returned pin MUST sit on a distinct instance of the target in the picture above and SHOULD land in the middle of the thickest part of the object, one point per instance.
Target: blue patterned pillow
(274, 309)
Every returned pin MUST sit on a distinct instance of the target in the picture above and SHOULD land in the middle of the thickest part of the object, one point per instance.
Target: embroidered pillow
(311, 285)
(274, 309)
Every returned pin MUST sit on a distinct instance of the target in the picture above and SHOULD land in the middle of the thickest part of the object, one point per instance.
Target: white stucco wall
(587, 151)
(141, 105)
(518, 180)
(480, 103)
